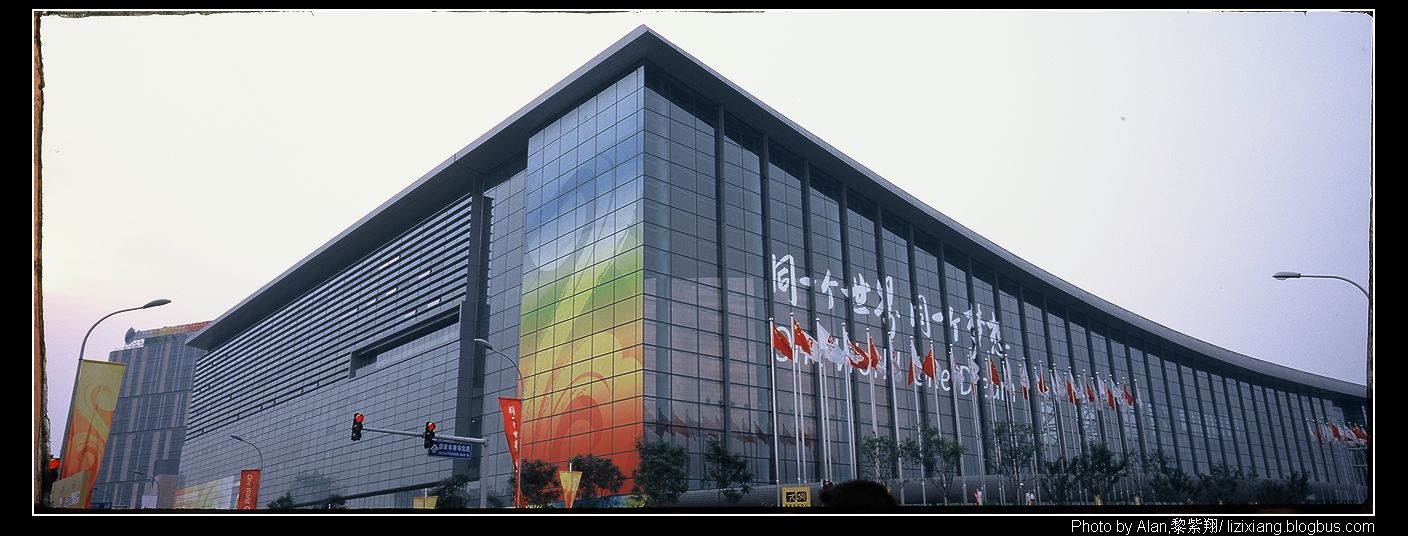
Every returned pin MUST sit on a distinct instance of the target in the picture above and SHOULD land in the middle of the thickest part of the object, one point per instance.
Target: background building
(628, 235)
(149, 421)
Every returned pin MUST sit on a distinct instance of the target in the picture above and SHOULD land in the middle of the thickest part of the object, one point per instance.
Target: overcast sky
(1168, 162)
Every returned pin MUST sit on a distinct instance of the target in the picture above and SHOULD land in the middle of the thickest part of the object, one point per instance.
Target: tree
(1061, 478)
(335, 502)
(1013, 450)
(313, 485)
(938, 456)
(880, 455)
(448, 492)
(1170, 483)
(1293, 490)
(663, 473)
(540, 483)
(1221, 485)
(727, 470)
(284, 502)
(1098, 469)
(600, 478)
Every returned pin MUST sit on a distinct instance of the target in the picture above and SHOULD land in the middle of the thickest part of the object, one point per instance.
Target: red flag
(1071, 388)
(931, 365)
(1041, 384)
(1128, 396)
(874, 355)
(1335, 432)
(1026, 385)
(992, 370)
(1359, 433)
(909, 375)
(804, 343)
(1089, 391)
(780, 342)
(1110, 395)
(1318, 436)
(864, 362)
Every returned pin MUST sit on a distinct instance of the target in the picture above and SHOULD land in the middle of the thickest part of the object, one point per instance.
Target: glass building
(143, 454)
(627, 237)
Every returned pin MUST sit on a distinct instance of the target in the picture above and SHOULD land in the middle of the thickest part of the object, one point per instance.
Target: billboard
(90, 420)
(212, 495)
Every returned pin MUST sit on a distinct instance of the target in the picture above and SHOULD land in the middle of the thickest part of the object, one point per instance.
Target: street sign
(451, 450)
(796, 496)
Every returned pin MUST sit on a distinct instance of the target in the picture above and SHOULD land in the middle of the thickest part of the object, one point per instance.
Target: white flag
(831, 348)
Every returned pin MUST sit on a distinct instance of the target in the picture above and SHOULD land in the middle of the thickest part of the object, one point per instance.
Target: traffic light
(357, 427)
(429, 434)
(51, 470)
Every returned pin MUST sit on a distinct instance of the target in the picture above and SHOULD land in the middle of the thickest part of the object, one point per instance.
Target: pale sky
(1168, 162)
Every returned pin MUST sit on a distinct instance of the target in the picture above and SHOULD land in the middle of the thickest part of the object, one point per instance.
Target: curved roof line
(458, 174)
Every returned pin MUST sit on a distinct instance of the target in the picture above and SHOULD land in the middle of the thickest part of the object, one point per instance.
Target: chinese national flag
(931, 365)
(804, 343)
(780, 342)
(992, 370)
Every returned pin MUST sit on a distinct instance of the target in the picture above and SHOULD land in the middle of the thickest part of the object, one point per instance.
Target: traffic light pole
(438, 437)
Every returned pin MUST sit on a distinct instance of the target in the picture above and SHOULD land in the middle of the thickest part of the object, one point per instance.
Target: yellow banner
(570, 479)
(90, 419)
(424, 503)
(796, 496)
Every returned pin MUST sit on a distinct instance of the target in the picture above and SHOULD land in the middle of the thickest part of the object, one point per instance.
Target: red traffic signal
(429, 434)
(357, 427)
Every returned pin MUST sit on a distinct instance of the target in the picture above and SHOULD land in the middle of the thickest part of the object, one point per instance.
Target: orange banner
(570, 479)
(90, 420)
(249, 490)
(511, 408)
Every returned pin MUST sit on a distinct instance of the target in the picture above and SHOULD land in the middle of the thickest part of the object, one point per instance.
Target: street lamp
(1297, 275)
(149, 305)
(68, 424)
(518, 393)
(256, 449)
(156, 485)
(1368, 347)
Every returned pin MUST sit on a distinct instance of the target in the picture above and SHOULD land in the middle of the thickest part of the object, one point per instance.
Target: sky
(1166, 161)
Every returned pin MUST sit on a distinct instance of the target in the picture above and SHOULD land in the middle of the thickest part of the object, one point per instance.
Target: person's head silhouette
(859, 494)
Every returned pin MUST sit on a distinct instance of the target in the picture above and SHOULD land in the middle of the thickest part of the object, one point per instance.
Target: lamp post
(1368, 348)
(155, 485)
(256, 449)
(254, 501)
(518, 465)
(149, 305)
(73, 395)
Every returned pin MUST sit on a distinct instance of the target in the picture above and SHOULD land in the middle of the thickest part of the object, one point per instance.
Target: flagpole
(796, 398)
(938, 416)
(821, 391)
(995, 395)
(894, 407)
(874, 427)
(824, 416)
(918, 421)
(850, 408)
(772, 384)
(957, 419)
(871, 371)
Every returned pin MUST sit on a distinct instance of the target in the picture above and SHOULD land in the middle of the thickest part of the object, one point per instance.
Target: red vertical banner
(511, 408)
(570, 479)
(249, 490)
